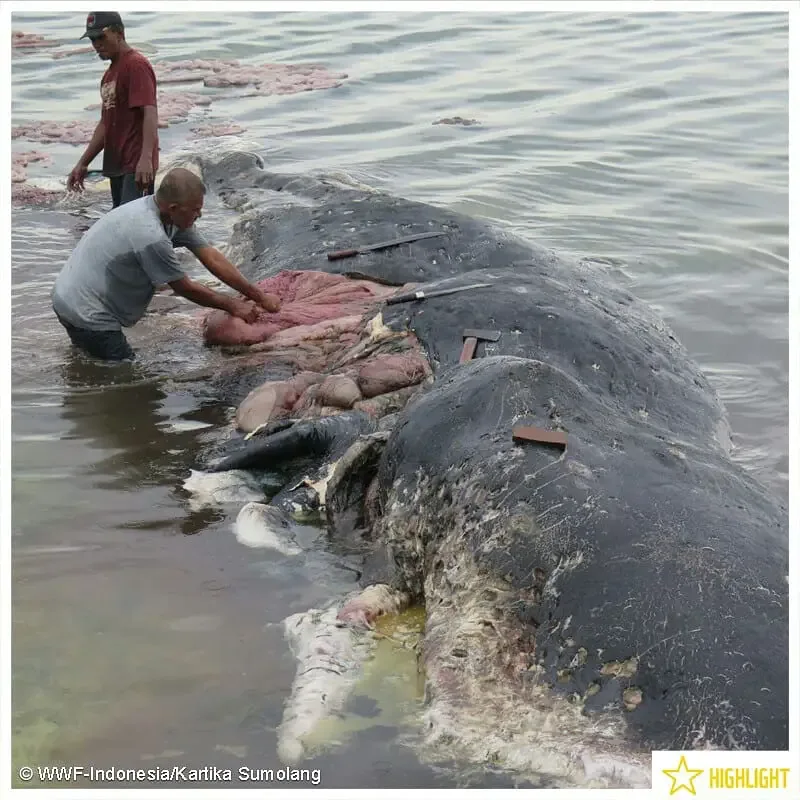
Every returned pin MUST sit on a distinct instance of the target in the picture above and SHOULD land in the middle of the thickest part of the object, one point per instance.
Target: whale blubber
(632, 698)
(392, 680)
(620, 669)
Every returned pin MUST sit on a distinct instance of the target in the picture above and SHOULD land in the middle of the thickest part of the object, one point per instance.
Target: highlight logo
(706, 773)
(682, 777)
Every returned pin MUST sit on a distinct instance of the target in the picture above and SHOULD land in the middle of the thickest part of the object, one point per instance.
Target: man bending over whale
(111, 276)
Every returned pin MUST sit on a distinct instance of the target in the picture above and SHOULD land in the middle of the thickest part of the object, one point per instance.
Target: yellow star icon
(682, 777)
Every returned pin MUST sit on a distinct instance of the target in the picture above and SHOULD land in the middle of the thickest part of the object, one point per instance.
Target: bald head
(180, 187)
(180, 197)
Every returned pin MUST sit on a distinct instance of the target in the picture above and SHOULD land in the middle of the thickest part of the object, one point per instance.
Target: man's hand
(269, 302)
(76, 178)
(221, 268)
(245, 310)
(144, 172)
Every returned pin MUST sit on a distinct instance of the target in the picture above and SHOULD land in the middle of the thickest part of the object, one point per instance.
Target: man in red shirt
(128, 129)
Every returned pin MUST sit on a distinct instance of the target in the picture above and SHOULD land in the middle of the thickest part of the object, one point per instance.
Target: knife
(422, 295)
(368, 248)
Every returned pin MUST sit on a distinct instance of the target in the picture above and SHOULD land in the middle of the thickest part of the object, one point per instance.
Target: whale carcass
(624, 593)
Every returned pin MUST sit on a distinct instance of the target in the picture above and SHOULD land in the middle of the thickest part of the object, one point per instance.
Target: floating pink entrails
(173, 107)
(190, 71)
(67, 132)
(218, 129)
(26, 41)
(29, 195)
(265, 78)
(20, 161)
(75, 51)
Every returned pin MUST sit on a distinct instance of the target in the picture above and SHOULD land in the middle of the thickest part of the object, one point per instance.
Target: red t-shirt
(126, 87)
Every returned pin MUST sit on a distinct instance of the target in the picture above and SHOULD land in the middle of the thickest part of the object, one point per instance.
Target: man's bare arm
(96, 144)
(204, 296)
(218, 265)
(144, 169)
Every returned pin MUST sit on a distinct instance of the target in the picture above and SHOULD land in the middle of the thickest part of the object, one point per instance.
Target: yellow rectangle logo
(708, 773)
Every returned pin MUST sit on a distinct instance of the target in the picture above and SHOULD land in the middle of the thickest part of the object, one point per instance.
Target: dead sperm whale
(625, 594)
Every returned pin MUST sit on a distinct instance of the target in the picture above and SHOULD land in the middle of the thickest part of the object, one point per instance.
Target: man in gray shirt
(111, 276)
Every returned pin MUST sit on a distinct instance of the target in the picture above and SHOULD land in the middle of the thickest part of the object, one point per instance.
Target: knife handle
(342, 254)
(530, 433)
(468, 351)
(405, 298)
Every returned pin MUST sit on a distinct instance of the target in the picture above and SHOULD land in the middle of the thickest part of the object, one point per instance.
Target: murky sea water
(144, 634)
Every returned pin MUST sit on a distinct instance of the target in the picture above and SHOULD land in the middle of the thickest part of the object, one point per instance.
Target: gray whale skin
(637, 579)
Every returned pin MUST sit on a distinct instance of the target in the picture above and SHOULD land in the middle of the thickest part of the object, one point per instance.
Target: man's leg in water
(107, 345)
(124, 189)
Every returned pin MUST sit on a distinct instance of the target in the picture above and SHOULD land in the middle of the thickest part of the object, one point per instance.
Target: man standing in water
(111, 276)
(128, 129)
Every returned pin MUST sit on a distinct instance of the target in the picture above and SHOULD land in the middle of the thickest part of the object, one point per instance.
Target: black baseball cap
(98, 21)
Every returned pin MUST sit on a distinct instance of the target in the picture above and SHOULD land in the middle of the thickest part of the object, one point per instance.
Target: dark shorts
(124, 189)
(107, 345)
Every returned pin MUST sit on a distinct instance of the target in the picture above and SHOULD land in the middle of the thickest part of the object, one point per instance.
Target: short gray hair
(179, 186)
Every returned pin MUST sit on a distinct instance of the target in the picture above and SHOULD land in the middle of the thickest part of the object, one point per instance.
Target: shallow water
(657, 143)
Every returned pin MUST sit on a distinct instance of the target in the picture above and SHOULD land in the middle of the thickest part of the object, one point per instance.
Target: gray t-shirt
(111, 276)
